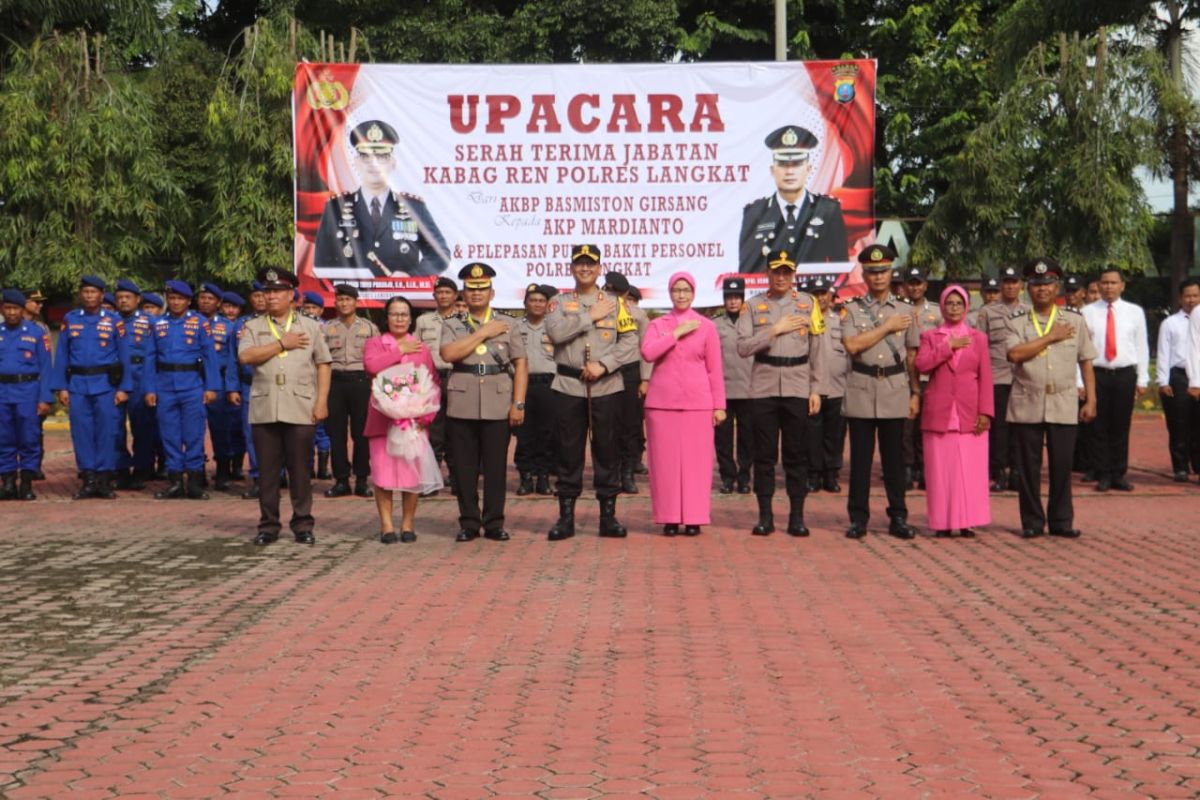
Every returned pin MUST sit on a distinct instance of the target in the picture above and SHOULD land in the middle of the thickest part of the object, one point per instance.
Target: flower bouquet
(406, 393)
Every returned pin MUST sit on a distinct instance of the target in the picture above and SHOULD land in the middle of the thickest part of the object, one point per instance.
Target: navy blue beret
(126, 285)
(153, 299)
(212, 289)
(233, 298)
(14, 296)
(95, 281)
(179, 287)
(314, 299)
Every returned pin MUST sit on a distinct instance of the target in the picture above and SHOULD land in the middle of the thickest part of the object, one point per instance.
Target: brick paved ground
(147, 650)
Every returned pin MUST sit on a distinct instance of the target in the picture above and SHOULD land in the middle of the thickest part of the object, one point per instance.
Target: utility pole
(780, 30)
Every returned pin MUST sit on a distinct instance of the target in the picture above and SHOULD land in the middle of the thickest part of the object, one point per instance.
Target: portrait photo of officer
(809, 226)
(374, 229)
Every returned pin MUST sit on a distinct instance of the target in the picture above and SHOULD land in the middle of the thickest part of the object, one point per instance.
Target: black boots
(766, 519)
(323, 466)
(87, 488)
(340, 488)
(251, 493)
(526, 486)
(104, 486)
(8, 486)
(25, 489)
(195, 486)
(235, 467)
(564, 528)
(221, 479)
(609, 527)
(796, 526)
(628, 484)
(175, 489)
(542, 486)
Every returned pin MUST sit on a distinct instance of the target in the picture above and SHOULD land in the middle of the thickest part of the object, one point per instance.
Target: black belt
(480, 369)
(569, 372)
(1116, 369)
(163, 366)
(137, 359)
(72, 371)
(877, 372)
(541, 377)
(780, 361)
(19, 378)
(349, 375)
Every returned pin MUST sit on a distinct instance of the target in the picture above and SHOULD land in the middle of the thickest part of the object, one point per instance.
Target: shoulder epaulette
(1017, 314)
(1072, 310)
(408, 196)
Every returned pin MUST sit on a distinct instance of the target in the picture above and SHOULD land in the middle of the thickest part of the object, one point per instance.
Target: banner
(408, 172)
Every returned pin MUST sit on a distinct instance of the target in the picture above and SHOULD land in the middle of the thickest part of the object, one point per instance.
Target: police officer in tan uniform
(593, 334)
(349, 393)
(428, 329)
(787, 380)
(636, 374)
(882, 391)
(989, 292)
(827, 437)
(992, 320)
(537, 437)
(1046, 344)
(739, 421)
(288, 397)
(488, 379)
(927, 316)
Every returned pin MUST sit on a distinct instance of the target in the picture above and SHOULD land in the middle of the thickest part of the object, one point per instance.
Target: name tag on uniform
(280, 379)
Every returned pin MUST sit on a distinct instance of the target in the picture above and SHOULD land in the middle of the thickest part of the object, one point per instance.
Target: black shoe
(8, 486)
(195, 486)
(526, 485)
(235, 468)
(362, 488)
(1030, 533)
(25, 487)
(1089, 476)
(497, 536)
(253, 492)
(88, 488)
(1014, 481)
(610, 528)
(542, 485)
(831, 485)
(743, 488)
(104, 486)
(967, 533)
(323, 466)
(1103, 484)
(691, 530)
(266, 537)
(900, 528)
(339, 489)
(564, 528)
(388, 538)
(1180, 476)
(670, 530)
(1122, 485)
(856, 531)
(796, 526)
(726, 487)
(640, 469)
(465, 535)
(998, 485)
(305, 537)
(1071, 533)
(221, 479)
(766, 518)
(175, 490)
(407, 537)
(813, 485)
(941, 534)
(628, 484)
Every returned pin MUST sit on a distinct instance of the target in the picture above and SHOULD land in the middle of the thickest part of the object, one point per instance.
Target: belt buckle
(481, 370)
(879, 373)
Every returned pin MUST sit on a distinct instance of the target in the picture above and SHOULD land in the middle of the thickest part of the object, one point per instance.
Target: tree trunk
(1177, 156)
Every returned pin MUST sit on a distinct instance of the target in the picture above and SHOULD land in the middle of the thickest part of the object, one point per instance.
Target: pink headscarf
(954, 329)
(682, 316)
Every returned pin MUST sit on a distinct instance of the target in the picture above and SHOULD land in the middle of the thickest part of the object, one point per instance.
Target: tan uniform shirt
(992, 320)
(539, 350)
(737, 368)
(428, 329)
(1044, 388)
(482, 396)
(837, 363)
(569, 326)
(754, 339)
(346, 343)
(643, 321)
(867, 396)
(284, 388)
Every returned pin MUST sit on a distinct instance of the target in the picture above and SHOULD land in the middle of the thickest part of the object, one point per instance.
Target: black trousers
(470, 443)
(632, 435)
(437, 428)
(1115, 391)
(914, 443)
(279, 445)
(786, 419)
(739, 424)
(863, 433)
(1085, 446)
(536, 438)
(999, 448)
(826, 438)
(573, 440)
(1183, 424)
(349, 396)
(1060, 449)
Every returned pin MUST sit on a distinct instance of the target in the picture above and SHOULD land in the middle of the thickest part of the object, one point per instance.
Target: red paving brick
(147, 650)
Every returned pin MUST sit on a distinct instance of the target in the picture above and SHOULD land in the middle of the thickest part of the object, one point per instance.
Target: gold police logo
(272, 276)
(327, 94)
(876, 254)
(531, 287)
(844, 78)
(1040, 269)
(789, 138)
(374, 134)
(476, 271)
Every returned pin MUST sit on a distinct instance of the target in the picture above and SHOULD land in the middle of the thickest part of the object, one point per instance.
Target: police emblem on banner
(326, 93)
(844, 78)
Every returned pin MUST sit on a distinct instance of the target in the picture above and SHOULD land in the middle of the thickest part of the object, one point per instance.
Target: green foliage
(83, 187)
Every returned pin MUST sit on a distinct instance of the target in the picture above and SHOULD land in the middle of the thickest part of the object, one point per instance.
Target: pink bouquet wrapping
(406, 393)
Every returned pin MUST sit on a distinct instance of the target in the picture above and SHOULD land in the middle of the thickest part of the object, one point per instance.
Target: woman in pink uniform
(958, 410)
(685, 401)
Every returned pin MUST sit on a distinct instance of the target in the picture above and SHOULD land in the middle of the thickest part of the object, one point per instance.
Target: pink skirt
(420, 475)
(956, 480)
(679, 446)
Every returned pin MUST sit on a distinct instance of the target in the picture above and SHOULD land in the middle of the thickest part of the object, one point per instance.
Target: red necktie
(1110, 337)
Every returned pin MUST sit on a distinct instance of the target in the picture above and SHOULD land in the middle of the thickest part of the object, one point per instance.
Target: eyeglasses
(682, 290)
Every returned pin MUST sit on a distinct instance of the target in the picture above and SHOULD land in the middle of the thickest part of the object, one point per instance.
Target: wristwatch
(519, 406)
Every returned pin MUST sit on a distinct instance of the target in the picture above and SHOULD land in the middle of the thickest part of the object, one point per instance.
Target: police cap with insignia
(109, 299)
(820, 283)
(211, 288)
(153, 299)
(276, 278)
(477, 275)
(1043, 270)
(1073, 283)
(1010, 274)
(126, 285)
(585, 252)
(877, 258)
(791, 144)
(914, 275)
(314, 299)
(36, 296)
(802, 282)
(535, 288)
(233, 299)
(94, 282)
(780, 259)
(345, 290)
(180, 288)
(14, 297)
(443, 281)
(373, 136)
(616, 282)
(635, 293)
(734, 287)
(549, 291)
(990, 285)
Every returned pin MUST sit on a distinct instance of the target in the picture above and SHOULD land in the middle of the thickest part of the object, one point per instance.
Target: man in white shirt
(1181, 411)
(1122, 369)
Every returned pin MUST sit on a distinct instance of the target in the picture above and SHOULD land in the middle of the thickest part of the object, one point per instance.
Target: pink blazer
(967, 387)
(688, 374)
(380, 353)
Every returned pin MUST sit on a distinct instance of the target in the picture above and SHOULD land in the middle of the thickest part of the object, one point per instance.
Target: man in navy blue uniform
(24, 397)
(231, 310)
(208, 304)
(375, 229)
(140, 420)
(182, 377)
(92, 377)
(238, 378)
